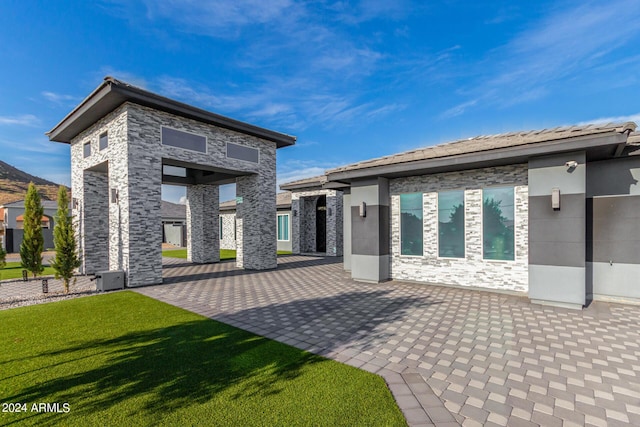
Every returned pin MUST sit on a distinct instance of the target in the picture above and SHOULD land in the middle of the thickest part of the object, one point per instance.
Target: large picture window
(283, 227)
(451, 224)
(411, 224)
(498, 218)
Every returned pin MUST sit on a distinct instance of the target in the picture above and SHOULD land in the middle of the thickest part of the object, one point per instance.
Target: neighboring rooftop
(47, 204)
(112, 93)
(173, 210)
(283, 201)
(315, 181)
(472, 150)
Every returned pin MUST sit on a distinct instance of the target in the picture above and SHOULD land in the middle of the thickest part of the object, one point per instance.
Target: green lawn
(126, 359)
(13, 270)
(224, 253)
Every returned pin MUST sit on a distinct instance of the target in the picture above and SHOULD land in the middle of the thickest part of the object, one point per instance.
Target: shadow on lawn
(172, 367)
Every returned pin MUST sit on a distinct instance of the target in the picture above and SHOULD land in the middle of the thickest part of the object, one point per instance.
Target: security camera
(572, 164)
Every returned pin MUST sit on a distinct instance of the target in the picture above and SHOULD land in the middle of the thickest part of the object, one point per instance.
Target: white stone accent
(472, 270)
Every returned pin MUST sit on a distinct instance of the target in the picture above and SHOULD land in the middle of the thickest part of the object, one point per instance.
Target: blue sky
(352, 80)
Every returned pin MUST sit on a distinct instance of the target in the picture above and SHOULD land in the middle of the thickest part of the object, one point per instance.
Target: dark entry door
(321, 224)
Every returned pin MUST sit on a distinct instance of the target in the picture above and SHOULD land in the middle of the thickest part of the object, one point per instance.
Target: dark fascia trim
(113, 93)
(497, 157)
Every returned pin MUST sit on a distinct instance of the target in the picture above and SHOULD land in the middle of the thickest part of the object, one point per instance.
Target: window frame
(288, 236)
(464, 225)
(515, 217)
(106, 138)
(206, 140)
(422, 251)
(86, 145)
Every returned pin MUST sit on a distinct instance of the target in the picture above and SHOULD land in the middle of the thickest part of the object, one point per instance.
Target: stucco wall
(472, 270)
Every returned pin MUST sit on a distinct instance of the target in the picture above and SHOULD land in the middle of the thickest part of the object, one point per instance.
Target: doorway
(321, 224)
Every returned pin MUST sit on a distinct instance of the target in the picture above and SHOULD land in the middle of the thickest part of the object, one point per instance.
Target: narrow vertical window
(411, 224)
(283, 227)
(451, 224)
(104, 141)
(86, 149)
(498, 219)
(221, 227)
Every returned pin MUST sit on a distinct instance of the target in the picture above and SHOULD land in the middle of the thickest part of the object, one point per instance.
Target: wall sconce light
(295, 212)
(114, 195)
(363, 209)
(571, 165)
(555, 199)
(330, 211)
(75, 203)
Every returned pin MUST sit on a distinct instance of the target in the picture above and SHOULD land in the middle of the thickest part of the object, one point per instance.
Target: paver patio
(450, 356)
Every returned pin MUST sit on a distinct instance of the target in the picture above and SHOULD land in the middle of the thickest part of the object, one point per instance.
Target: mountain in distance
(14, 184)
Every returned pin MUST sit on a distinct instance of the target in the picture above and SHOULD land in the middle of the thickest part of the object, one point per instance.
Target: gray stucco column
(255, 210)
(203, 242)
(557, 236)
(370, 232)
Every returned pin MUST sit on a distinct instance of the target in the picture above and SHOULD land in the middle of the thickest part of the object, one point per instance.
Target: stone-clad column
(256, 210)
(334, 223)
(94, 222)
(203, 241)
(295, 224)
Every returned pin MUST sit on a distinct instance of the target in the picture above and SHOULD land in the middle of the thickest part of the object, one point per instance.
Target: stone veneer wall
(303, 224)
(472, 270)
(228, 240)
(132, 165)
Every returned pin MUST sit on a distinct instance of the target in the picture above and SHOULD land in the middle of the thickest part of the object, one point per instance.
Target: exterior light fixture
(45, 286)
(363, 209)
(555, 199)
(571, 165)
(114, 195)
(330, 211)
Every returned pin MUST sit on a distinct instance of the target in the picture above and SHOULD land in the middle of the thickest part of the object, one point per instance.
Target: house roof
(173, 210)
(283, 201)
(112, 93)
(21, 218)
(489, 150)
(316, 181)
(47, 204)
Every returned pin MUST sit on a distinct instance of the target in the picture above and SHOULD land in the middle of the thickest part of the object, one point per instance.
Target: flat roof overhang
(112, 93)
(598, 147)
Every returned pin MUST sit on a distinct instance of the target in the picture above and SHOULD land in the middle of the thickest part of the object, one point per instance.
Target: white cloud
(613, 119)
(59, 98)
(22, 120)
(569, 43)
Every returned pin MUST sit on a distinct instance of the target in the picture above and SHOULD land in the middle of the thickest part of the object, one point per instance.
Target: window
(451, 224)
(104, 141)
(87, 149)
(220, 221)
(180, 139)
(411, 224)
(283, 227)
(498, 238)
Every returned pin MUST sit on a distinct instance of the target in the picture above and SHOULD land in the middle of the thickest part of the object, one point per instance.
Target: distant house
(228, 223)
(12, 224)
(174, 223)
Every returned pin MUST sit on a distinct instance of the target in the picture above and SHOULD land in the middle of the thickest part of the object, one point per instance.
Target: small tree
(64, 239)
(32, 239)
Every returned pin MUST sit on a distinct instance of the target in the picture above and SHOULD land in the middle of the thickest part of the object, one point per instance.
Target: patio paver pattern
(450, 356)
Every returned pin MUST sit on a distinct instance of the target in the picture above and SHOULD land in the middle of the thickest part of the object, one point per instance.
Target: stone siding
(472, 270)
(228, 240)
(303, 223)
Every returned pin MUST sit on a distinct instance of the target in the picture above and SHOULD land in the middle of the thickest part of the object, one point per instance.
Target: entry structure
(317, 217)
(126, 142)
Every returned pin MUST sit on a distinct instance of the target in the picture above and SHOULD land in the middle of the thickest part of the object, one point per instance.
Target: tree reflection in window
(498, 223)
(451, 224)
(411, 224)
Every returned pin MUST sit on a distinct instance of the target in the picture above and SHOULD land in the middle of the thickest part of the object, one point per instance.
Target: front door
(321, 224)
